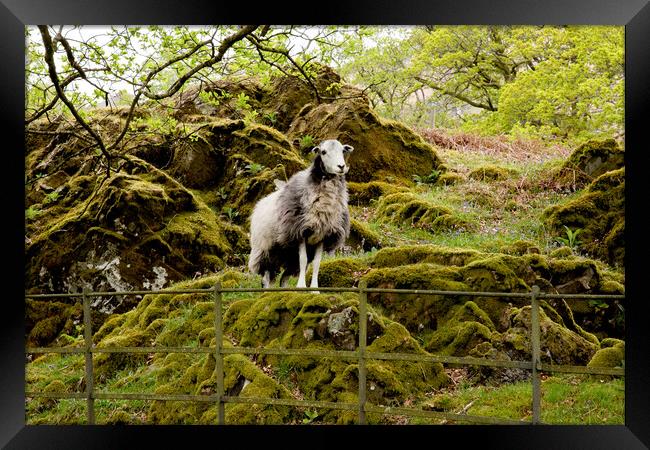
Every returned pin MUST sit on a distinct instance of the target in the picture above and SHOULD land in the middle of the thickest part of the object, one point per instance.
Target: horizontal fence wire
(361, 355)
(329, 289)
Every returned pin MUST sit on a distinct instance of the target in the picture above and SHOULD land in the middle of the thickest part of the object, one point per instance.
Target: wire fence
(360, 354)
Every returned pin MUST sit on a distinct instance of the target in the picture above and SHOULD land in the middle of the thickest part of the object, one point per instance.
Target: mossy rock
(242, 378)
(365, 193)
(340, 272)
(467, 327)
(244, 160)
(139, 229)
(415, 311)
(412, 254)
(491, 173)
(292, 96)
(382, 148)
(46, 320)
(121, 417)
(558, 344)
(434, 267)
(405, 208)
(590, 160)
(519, 248)
(562, 252)
(449, 179)
(458, 339)
(362, 237)
(600, 213)
(330, 322)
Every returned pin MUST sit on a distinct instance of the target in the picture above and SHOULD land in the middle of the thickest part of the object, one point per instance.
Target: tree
(548, 81)
(72, 71)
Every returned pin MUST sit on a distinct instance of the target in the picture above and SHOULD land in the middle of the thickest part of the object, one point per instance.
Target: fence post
(88, 340)
(535, 342)
(218, 356)
(363, 318)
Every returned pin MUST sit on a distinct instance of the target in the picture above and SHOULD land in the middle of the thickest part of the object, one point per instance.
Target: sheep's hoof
(314, 292)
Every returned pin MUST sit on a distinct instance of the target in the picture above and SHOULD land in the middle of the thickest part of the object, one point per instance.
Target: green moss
(490, 173)
(46, 320)
(589, 161)
(400, 256)
(449, 179)
(383, 149)
(136, 229)
(491, 274)
(120, 417)
(305, 321)
(559, 345)
(519, 248)
(611, 342)
(465, 327)
(609, 357)
(599, 213)
(458, 339)
(107, 364)
(405, 208)
(364, 193)
(561, 252)
(362, 237)
(341, 272)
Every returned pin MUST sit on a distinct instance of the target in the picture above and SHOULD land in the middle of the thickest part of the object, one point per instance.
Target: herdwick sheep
(303, 217)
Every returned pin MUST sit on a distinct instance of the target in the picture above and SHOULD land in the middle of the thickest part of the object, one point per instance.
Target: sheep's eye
(323, 152)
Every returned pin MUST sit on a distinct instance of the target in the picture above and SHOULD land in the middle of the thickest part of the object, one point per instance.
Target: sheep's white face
(334, 156)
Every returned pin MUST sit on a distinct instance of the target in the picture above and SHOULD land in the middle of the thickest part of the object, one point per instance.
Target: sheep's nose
(341, 166)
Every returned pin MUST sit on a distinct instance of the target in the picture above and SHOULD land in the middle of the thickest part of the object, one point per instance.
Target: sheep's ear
(348, 148)
(315, 150)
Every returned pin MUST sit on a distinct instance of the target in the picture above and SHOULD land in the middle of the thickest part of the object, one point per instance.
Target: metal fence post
(363, 318)
(535, 342)
(218, 334)
(88, 340)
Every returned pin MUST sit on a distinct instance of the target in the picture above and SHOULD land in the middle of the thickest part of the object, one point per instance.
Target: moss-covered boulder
(233, 164)
(292, 95)
(278, 320)
(274, 102)
(520, 247)
(611, 354)
(362, 237)
(341, 272)
(242, 378)
(364, 193)
(467, 327)
(405, 208)
(600, 213)
(383, 150)
(323, 322)
(412, 254)
(138, 229)
(589, 161)
(86, 238)
(491, 173)
(559, 345)
(433, 267)
(449, 179)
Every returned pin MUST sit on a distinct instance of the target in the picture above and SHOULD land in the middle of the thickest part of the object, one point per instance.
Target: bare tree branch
(49, 59)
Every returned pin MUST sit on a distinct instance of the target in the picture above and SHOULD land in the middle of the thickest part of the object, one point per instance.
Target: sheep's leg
(302, 258)
(266, 279)
(284, 280)
(316, 265)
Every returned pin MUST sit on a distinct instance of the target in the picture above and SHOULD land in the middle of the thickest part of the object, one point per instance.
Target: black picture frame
(633, 14)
